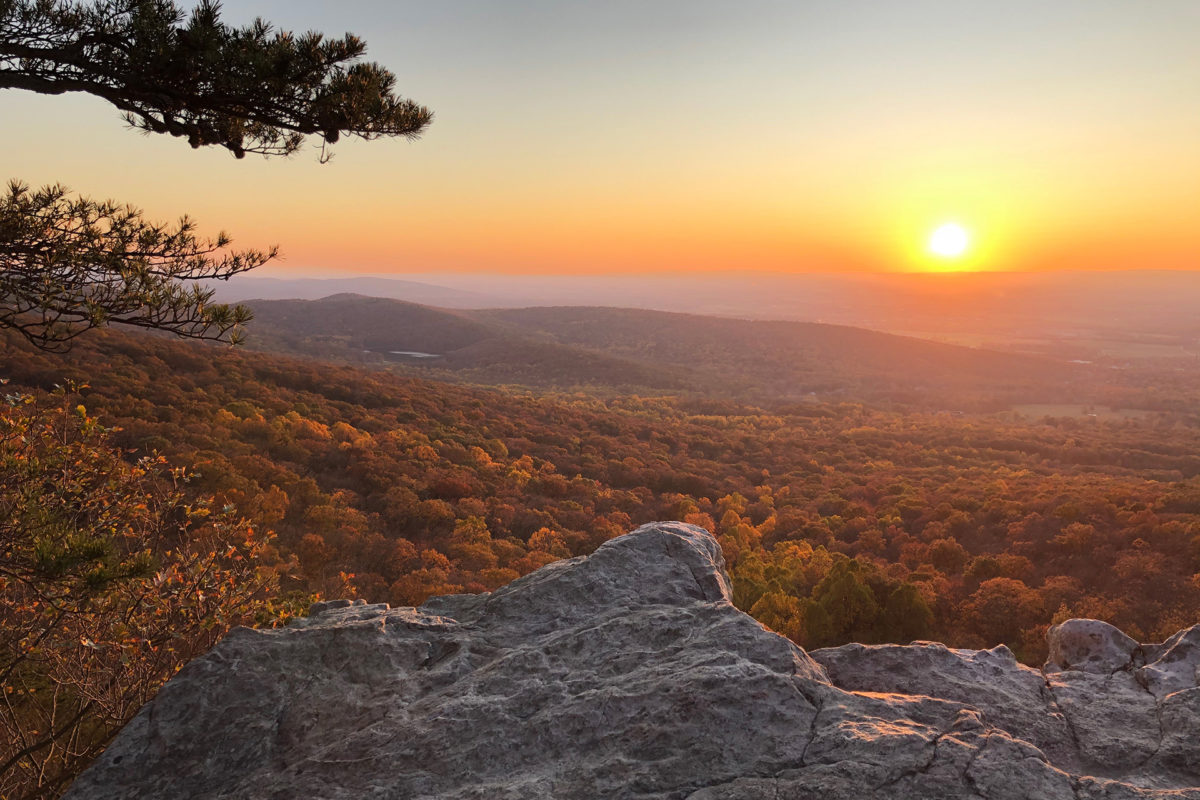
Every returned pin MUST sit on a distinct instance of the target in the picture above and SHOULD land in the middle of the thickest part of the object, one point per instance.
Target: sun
(950, 240)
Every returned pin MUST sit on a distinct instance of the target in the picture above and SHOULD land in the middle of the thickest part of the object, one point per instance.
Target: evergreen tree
(849, 604)
(71, 264)
(112, 575)
(907, 616)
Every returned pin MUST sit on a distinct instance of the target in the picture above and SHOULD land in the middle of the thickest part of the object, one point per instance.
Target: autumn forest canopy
(840, 521)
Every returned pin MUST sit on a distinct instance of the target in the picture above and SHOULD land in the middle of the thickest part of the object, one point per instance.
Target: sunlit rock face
(628, 674)
(1103, 705)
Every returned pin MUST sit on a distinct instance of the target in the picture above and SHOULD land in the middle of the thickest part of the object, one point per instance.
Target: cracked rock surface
(1103, 706)
(628, 674)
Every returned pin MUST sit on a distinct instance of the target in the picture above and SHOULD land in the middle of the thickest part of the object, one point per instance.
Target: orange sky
(617, 137)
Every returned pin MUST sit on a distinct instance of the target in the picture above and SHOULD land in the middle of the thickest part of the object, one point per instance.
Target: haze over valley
(1076, 315)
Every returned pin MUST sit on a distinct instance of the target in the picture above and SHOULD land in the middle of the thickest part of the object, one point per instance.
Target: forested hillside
(445, 344)
(618, 350)
(839, 522)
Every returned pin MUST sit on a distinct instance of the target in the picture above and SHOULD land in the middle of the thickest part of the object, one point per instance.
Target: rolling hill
(659, 352)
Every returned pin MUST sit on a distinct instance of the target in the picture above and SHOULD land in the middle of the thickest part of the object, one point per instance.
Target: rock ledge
(628, 674)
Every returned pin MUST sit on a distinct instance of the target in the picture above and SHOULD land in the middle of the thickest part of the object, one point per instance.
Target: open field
(1076, 411)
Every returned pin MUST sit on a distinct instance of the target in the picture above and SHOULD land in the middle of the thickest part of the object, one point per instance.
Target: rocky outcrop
(1103, 705)
(628, 674)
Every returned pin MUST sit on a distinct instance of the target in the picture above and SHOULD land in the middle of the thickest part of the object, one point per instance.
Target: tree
(71, 264)
(849, 603)
(112, 575)
(1000, 609)
(906, 615)
(782, 613)
(250, 90)
(112, 579)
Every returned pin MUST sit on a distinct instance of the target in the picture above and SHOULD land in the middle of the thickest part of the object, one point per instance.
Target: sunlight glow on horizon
(826, 137)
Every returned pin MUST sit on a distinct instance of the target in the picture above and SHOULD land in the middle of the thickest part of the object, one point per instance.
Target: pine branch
(68, 265)
(250, 90)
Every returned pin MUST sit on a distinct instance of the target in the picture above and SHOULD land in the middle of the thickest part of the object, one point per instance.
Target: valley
(863, 487)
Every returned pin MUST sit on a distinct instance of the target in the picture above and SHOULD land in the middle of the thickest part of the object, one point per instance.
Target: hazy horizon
(1077, 314)
(629, 138)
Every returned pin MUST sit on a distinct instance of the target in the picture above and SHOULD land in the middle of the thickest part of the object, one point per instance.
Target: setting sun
(949, 241)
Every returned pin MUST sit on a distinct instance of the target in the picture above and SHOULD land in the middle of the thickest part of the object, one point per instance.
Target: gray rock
(1179, 749)
(1089, 645)
(1173, 665)
(625, 674)
(1114, 721)
(1007, 694)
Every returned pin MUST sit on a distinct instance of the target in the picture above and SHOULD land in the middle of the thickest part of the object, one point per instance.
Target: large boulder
(1089, 645)
(629, 674)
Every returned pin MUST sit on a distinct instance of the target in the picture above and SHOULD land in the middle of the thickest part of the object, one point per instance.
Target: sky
(644, 137)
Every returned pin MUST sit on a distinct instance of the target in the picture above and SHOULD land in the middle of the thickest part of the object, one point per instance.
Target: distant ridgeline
(627, 350)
